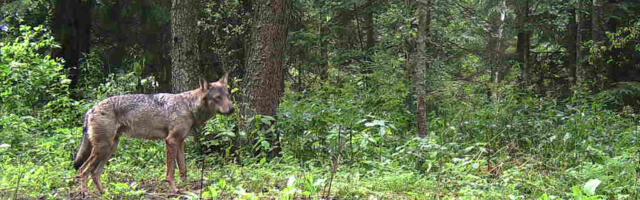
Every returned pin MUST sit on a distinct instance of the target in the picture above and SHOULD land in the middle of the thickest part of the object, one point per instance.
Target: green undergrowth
(287, 179)
(356, 128)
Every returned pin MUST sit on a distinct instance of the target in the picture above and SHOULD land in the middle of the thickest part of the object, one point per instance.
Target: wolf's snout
(231, 109)
(227, 111)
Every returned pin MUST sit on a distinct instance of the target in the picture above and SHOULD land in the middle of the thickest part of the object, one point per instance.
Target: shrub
(29, 77)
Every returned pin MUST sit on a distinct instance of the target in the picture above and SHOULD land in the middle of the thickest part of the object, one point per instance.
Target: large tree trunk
(264, 61)
(423, 14)
(71, 25)
(185, 58)
(264, 74)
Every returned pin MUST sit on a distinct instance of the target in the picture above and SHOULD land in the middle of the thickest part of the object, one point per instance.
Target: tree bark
(369, 28)
(71, 25)
(423, 14)
(324, 52)
(524, 40)
(598, 36)
(496, 47)
(500, 47)
(569, 43)
(346, 35)
(265, 57)
(581, 71)
(597, 20)
(264, 70)
(185, 58)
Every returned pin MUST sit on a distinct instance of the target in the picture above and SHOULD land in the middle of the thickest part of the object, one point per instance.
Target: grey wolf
(149, 116)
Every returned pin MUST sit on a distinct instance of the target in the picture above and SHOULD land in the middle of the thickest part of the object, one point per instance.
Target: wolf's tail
(85, 148)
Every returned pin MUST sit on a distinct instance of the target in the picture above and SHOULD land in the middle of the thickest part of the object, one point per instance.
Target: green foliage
(34, 98)
(125, 190)
(347, 117)
(30, 77)
(40, 123)
(227, 22)
(624, 96)
(14, 14)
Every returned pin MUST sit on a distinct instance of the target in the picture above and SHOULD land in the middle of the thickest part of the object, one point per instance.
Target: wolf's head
(217, 96)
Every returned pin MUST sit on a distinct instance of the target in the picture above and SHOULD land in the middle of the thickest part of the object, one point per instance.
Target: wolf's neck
(199, 112)
(202, 116)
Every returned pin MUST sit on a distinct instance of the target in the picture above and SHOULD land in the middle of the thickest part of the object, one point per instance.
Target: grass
(135, 173)
(451, 163)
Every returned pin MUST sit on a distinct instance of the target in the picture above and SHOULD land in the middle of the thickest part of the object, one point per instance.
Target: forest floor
(283, 178)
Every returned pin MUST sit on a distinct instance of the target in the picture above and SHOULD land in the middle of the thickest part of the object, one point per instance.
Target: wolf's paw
(176, 193)
(84, 194)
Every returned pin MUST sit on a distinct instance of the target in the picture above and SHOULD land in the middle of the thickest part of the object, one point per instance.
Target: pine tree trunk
(500, 69)
(71, 25)
(368, 25)
(346, 35)
(423, 14)
(524, 41)
(598, 36)
(581, 71)
(569, 42)
(185, 58)
(265, 57)
(264, 71)
(496, 46)
(597, 20)
(323, 66)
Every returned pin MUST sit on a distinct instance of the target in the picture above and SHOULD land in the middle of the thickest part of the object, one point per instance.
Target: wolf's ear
(223, 80)
(203, 84)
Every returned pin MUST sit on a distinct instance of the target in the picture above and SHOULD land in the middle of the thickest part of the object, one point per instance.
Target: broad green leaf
(590, 187)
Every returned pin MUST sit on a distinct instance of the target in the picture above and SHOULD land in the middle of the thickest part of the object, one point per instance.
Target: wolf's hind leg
(98, 157)
(96, 180)
(97, 172)
(101, 142)
(87, 169)
(84, 181)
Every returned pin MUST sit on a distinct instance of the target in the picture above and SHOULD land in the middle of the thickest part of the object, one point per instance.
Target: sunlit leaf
(590, 187)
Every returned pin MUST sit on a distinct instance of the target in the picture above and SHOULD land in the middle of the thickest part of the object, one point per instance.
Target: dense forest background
(354, 99)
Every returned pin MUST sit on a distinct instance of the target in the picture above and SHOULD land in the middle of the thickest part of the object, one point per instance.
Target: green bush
(29, 77)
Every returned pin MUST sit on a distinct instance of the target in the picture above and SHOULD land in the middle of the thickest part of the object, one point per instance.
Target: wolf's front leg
(171, 160)
(181, 162)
